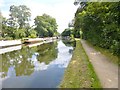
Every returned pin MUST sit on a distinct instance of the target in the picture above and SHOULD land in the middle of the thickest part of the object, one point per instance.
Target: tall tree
(45, 25)
(19, 16)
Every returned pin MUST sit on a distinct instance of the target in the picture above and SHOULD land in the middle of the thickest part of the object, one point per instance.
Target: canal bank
(80, 73)
(9, 43)
(12, 45)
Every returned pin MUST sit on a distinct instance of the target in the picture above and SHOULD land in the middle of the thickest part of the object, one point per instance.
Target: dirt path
(106, 71)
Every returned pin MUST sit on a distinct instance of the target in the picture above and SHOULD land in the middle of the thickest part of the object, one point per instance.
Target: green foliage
(20, 33)
(17, 25)
(66, 32)
(8, 32)
(33, 34)
(45, 26)
(19, 16)
(100, 24)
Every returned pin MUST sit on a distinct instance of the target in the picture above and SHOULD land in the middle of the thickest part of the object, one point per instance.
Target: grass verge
(80, 72)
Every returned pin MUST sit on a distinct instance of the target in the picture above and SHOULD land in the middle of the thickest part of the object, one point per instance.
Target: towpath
(106, 71)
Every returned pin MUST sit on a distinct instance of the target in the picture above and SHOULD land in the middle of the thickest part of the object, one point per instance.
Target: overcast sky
(62, 10)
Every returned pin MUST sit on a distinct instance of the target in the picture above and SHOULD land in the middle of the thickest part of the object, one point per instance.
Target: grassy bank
(80, 73)
(112, 58)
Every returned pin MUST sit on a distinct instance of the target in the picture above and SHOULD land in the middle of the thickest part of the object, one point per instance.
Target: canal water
(40, 66)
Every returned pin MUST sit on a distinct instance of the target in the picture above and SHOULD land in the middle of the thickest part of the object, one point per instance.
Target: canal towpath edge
(80, 72)
(106, 71)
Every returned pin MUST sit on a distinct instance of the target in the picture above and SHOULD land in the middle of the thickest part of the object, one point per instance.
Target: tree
(32, 33)
(20, 33)
(66, 32)
(100, 24)
(71, 24)
(7, 31)
(45, 25)
(17, 26)
(19, 16)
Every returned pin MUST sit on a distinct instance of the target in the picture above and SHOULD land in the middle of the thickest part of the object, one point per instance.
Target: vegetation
(19, 16)
(45, 26)
(68, 37)
(112, 58)
(100, 24)
(67, 32)
(80, 73)
(18, 25)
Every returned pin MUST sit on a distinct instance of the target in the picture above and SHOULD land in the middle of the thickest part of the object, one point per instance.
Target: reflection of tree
(69, 43)
(47, 52)
(25, 67)
(19, 59)
(5, 64)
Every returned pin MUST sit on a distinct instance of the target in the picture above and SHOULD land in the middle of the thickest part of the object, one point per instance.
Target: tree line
(17, 26)
(100, 24)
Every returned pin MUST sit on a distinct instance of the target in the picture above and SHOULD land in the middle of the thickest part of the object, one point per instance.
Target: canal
(36, 66)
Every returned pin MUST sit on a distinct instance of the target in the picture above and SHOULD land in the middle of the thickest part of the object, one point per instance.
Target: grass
(80, 72)
(112, 58)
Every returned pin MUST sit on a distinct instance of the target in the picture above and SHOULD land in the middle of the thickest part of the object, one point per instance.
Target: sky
(62, 10)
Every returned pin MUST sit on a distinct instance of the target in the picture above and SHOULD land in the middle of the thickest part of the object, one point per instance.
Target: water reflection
(18, 60)
(47, 52)
(25, 60)
(37, 67)
(11, 72)
(69, 43)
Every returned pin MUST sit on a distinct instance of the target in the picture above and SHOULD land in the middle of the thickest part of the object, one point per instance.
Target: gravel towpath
(106, 71)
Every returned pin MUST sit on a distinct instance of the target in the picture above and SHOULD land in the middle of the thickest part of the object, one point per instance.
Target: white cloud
(1, 3)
